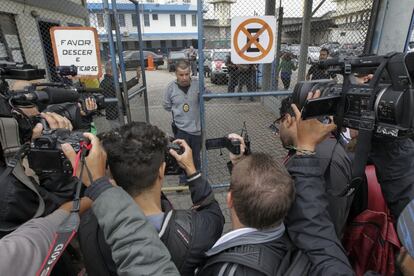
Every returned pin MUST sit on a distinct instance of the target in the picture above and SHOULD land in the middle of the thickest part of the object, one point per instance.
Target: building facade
(166, 25)
(24, 29)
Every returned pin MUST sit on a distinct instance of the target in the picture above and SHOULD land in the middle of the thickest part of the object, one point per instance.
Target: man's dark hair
(325, 49)
(182, 64)
(285, 107)
(262, 191)
(135, 153)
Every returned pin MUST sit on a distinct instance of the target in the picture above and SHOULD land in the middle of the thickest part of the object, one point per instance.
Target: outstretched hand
(310, 132)
(95, 161)
(233, 157)
(185, 160)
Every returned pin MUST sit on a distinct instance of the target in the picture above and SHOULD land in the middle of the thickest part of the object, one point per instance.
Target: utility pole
(304, 38)
(270, 9)
(279, 44)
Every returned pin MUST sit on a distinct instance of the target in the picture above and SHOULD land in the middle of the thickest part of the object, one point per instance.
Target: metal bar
(270, 9)
(121, 61)
(185, 188)
(137, 92)
(317, 7)
(108, 24)
(279, 44)
(204, 161)
(218, 186)
(247, 94)
(304, 38)
(371, 27)
(142, 60)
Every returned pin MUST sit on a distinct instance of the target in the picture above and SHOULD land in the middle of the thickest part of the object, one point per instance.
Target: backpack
(370, 240)
(261, 258)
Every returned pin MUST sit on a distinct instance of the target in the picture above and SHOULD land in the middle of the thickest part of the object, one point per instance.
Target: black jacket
(18, 203)
(187, 249)
(108, 87)
(394, 163)
(308, 222)
(267, 258)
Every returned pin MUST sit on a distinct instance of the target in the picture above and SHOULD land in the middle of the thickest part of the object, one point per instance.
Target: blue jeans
(194, 141)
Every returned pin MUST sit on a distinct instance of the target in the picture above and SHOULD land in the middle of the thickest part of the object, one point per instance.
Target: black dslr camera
(384, 106)
(46, 155)
(172, 167)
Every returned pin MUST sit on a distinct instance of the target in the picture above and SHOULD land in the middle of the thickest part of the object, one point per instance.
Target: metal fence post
(267, 68)
(201, 86)
(108, 24)
(121, 61)
(142, 59)
(304, 38)
(279, 43)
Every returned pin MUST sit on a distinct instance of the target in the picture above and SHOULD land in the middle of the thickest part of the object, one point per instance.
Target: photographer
(31, 241)
(334, 161)
(136, 162)
(108, 86)
(26, 195)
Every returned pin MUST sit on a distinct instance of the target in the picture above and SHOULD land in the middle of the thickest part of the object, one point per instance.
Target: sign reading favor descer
(77, 46)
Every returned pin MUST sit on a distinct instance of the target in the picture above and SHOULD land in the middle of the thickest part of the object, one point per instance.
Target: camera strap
(13, 152)
(68, 229)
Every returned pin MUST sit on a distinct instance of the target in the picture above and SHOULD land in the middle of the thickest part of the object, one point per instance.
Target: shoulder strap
(257, 257)
(10, 143)
(177, 235)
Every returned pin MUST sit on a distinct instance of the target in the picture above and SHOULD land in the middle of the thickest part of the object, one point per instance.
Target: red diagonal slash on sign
(253, 39)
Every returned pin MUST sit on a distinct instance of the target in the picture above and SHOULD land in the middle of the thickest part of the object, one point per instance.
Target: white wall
(27, 28)
(162, 25)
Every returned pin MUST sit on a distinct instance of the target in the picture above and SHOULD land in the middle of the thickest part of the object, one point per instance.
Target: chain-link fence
(332, 29)
(25, 38)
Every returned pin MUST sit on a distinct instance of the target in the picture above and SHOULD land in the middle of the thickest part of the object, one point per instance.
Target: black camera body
(172, 167)
(385, 105)
(218, 143)
(46, 155)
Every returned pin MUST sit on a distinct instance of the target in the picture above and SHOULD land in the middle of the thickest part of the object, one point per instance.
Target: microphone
(48, 95)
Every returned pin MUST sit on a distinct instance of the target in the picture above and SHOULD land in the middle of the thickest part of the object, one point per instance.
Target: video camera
(231, 145)
(384, 105)
(44, 153)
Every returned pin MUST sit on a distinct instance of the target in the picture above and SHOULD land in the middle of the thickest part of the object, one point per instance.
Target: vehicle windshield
(220, 55)
(177, 55)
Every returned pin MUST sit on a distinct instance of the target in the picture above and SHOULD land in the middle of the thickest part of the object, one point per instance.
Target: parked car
(173, 58)
(133, 59)
(217, 66)
(333, 48)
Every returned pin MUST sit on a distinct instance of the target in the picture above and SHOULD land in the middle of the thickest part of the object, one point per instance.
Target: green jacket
(286, 66)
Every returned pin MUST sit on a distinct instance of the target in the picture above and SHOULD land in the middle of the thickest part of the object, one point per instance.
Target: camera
(46, 155)
(385, 105)
(172, 167)
(217, 143)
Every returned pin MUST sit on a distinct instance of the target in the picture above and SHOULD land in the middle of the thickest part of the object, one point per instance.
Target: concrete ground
(223, 116)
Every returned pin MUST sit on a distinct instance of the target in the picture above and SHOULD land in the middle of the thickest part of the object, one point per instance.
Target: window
(134, 19)
(187, 1)
(149, 44)
(100, 19)
(185, 43)
(194, 20)
(121, 18)
(183, 20)
(146, 20)
(154, 16)
(174, 43)
(172, 20)
(163, 44)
